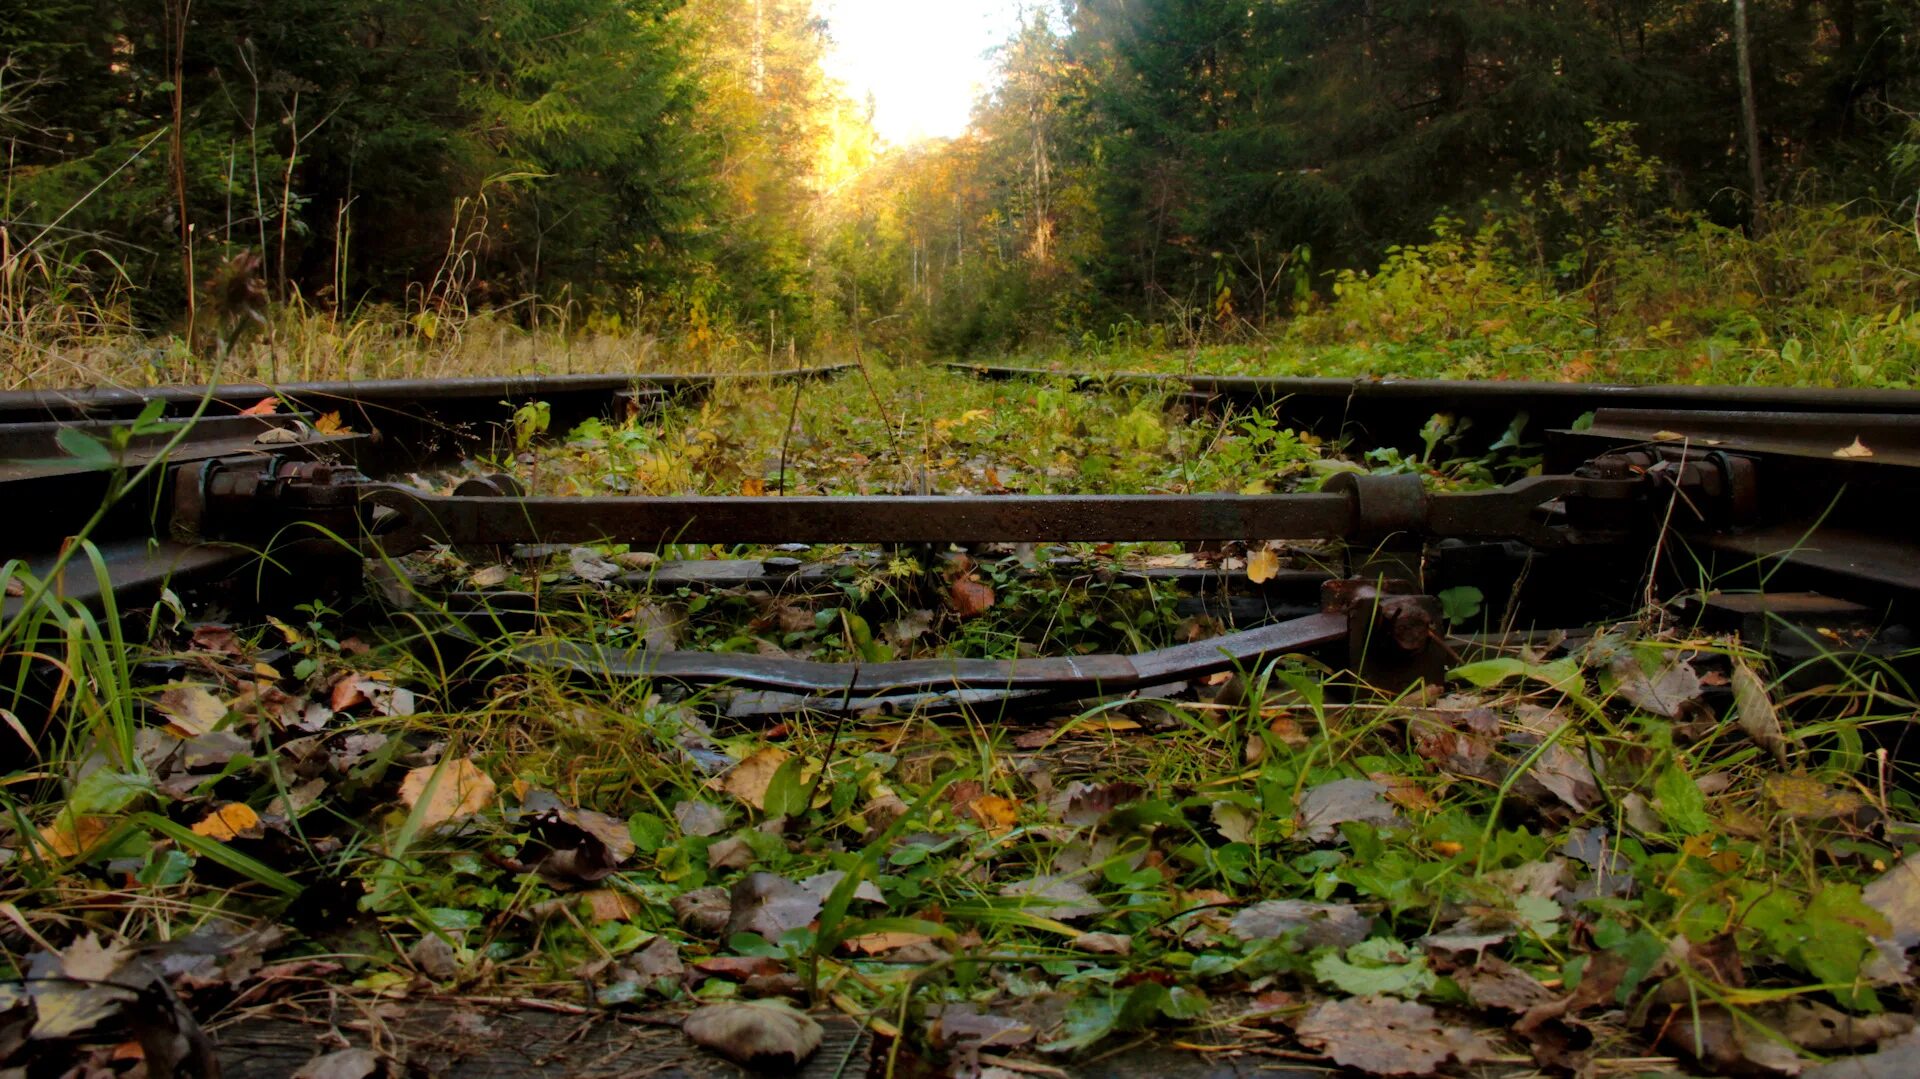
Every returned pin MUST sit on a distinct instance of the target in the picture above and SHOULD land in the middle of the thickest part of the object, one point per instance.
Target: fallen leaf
(1854, 449)
(1666, 692)
(699, 818)
(1896, 895)
(70, 836)
(1081, 803)
(1387, 1037)
(753, 487)
(1809, 799)
(347, 693)
(703, 911)
(823, 884)
(970, 597)
(1323, 808)
(730, 853)
(1566, 777)
(266, 406)
(1103, 944)
(882, 943)
(1263, 565)
(1055, 897)
(1495, 983)
(591, 566)
(490, 577)
(452, 790)
(607, 905)
(433, 956)
(760, 1033)
(1893, 1061)
(217, 640)
(996, 814)
(328, 423)
(191, 710)
(1318, 925)
(738, 968)
(1375, 967)
(748, 780)
(1753, 708)
(345, 1064)
(231, 821)
(769, 904)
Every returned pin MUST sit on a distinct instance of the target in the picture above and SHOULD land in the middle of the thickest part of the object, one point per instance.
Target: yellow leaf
(996, 814)
(1262, 566)
(453, 790)
(70, 837)
(328, 423)
(749, 779)
(229, 822)
(753, 487)
(1857, 449)
(191, 710)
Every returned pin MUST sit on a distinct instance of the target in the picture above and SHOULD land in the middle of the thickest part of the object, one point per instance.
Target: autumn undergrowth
(1633, 843)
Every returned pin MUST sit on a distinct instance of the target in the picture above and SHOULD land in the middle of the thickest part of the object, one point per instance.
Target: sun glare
(923, 62)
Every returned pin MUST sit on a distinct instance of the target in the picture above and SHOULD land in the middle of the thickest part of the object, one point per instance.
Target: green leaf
(786, 792)
(84, 448)
(1089, 1018)
(1561, 674)
(1377, 966)
(649, 832)
(1461, 604)
(1680, 802)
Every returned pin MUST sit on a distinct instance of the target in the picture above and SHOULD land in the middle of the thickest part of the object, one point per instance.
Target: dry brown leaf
(1103, 944)
(235, 820)
(1263, 565)
(607, 905)
(1755, 712)
(1855, 449)
(970, 597)
(191, 710)
(881, 943)
(762, 1033)
(347, 692)
(453, 790)
(1325, 807)
(748, 780)
(1387, 1037)
(770, 905)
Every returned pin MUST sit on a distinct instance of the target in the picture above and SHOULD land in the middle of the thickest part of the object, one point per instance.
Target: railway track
(1771, 510)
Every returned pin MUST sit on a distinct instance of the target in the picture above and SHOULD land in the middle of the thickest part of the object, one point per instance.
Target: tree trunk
(1749, 119)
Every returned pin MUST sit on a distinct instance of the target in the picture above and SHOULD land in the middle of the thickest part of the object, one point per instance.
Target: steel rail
(1090, 675)
(1442, 395)
(408, 394)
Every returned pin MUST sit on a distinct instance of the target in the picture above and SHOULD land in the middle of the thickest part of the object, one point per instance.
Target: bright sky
(924, 61)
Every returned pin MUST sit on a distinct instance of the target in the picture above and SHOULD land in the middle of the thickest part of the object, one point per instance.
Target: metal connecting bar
(1081, 675)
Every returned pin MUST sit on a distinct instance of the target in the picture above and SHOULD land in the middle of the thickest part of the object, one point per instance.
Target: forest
(1636, 189)
(899, 653)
